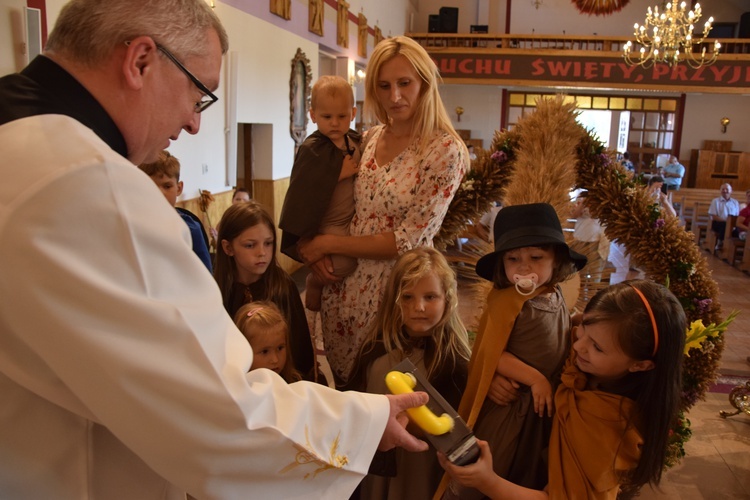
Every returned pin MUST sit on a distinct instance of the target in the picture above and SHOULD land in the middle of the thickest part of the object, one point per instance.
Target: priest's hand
(395, 433)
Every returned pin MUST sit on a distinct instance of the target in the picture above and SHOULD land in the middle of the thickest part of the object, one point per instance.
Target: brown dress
(417, 474)
(594, 441)
(517, 436)
(337, 218)
(399, 474)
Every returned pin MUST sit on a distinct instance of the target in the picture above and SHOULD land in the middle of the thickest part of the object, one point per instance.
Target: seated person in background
(487, 222)
(472, 154)
(320, 199)
(721, 208)
(673, 173)
(165, 172)
(625, 162)
(240, 195)
(743, 219)
(655, 184)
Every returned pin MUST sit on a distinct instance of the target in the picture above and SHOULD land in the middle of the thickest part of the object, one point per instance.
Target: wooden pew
(687, 198)
(723, 253)
(732, 245)
(745, 262)
(700, 221)
(711, 239)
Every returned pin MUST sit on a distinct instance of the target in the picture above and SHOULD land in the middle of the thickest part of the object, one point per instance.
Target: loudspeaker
(449, 19)
(433, 23)
(744, 26)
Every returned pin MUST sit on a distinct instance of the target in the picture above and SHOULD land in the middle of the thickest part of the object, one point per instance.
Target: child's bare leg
(313, 292)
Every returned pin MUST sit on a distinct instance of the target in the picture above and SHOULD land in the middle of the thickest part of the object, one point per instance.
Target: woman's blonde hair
(449, 343)
(430, 116)
(263, 316)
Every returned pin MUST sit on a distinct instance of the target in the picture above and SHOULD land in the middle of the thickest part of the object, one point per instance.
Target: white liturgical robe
(121, 375)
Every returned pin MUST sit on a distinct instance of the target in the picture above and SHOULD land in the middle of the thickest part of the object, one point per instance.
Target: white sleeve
(115, 319)
(713, 209)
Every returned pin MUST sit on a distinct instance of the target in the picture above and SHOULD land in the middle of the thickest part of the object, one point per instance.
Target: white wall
(482, 107)
(12, 35)
(703, 114)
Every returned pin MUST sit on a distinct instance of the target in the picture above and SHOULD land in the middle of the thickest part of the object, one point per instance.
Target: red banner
(591, 71)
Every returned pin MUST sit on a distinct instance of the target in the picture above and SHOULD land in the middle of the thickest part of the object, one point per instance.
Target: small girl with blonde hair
(418, 319)
(266, 330)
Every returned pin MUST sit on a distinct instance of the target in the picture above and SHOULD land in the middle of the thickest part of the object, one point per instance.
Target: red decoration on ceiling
(600, 7)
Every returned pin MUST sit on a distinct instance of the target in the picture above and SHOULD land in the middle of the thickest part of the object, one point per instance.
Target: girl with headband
(615, 406)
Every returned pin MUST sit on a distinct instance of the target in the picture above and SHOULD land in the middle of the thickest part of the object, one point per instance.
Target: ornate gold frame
(300, 85)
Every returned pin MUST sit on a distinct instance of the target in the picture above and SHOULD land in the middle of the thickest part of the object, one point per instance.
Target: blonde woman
(412, 164)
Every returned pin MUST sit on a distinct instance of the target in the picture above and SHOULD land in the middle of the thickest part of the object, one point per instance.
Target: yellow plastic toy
(403, 383)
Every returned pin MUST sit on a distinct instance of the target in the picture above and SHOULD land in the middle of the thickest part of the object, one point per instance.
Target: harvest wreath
(532, 163)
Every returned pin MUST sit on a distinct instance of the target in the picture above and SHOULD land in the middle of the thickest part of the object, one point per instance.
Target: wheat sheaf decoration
(547, 154)
(600, 7)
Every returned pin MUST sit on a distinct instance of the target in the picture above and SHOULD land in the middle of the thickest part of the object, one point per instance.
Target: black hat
(525, 226)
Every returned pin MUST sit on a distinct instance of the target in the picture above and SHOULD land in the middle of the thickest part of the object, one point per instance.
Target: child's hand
(349, 168)
(478, 475)
(541, 390)
(312, 250)
(503, 391)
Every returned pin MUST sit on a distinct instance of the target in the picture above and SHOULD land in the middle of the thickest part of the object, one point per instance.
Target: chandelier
(667, 37)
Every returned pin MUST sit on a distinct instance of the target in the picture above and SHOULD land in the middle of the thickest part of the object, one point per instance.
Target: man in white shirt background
(721, 208)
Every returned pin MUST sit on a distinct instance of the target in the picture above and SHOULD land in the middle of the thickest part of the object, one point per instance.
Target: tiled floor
(717, 465)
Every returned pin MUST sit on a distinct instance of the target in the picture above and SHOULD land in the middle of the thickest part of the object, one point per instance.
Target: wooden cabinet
(714, 168)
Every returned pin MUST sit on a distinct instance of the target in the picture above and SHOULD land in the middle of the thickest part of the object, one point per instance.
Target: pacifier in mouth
(526, 284)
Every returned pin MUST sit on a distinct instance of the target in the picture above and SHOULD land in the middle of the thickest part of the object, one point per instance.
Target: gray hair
(88, 30)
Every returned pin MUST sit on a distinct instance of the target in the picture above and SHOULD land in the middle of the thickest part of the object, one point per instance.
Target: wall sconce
(459, 112)
(724, 123)
(211, 3)
(357, 77)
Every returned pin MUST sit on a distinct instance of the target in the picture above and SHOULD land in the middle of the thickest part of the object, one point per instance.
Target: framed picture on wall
(315, 22)
(300, 87)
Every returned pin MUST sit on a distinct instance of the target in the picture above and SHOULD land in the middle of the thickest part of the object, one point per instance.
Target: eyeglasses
(208, 97)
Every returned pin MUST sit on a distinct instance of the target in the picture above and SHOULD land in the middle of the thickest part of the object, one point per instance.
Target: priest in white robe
(121, 375)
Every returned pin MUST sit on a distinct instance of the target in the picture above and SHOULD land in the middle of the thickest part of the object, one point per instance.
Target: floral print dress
(408, 196)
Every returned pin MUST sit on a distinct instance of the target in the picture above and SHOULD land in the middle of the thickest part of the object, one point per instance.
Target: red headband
(650, 315)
